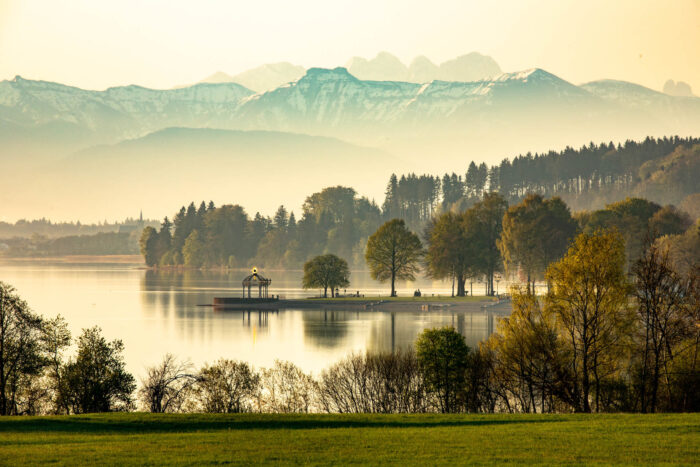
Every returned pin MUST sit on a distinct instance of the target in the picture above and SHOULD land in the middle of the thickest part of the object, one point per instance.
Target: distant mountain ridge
(532, 109)
(384, 67)
(387, 67)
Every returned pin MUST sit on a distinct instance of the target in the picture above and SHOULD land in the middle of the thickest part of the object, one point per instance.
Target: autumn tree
(529, 359)
(588, 298)
(326, 271)
(393, 252)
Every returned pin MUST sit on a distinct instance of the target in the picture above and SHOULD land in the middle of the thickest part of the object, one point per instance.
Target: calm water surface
(155, 313)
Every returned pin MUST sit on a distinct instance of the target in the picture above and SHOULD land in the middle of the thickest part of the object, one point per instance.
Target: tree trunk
(460, 285)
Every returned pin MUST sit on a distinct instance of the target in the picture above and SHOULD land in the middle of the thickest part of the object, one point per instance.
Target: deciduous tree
(443, 359)
(393, 252)
(326, 271)
(589, 299)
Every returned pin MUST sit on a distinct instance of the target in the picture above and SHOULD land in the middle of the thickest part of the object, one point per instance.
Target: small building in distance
(256, 280)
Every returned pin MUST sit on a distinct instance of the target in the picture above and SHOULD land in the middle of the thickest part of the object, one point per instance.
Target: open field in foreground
(350, 439)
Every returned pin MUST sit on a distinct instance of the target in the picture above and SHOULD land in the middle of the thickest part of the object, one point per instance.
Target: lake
(154, 313)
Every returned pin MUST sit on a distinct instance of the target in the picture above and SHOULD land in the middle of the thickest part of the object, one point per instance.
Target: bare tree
(228, 386)
(287, 389)
(661, 294)
(167, 385)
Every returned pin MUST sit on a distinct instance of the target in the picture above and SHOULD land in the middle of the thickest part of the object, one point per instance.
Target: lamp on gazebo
(256, 280)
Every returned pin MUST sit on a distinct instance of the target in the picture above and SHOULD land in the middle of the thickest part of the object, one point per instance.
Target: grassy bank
(343, 439)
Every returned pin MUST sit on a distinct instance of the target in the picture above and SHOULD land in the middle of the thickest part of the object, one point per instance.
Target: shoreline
(370, 304)
(136, 260)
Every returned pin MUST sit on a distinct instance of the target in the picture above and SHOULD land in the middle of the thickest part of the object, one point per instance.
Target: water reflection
(159, 312)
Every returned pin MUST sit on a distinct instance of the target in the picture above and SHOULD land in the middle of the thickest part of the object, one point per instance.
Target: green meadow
(150, 439)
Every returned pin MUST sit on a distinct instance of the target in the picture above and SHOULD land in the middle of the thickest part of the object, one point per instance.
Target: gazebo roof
(256, 279)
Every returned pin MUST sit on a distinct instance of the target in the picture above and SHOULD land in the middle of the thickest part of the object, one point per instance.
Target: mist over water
(158, 312)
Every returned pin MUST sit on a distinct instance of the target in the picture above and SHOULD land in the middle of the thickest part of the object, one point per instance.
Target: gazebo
(256, 280)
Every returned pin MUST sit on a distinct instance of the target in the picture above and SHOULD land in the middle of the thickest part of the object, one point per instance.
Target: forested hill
(659, 169)
(662, 170)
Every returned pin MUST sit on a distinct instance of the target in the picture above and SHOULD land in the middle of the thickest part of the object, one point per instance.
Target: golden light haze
(160, 44)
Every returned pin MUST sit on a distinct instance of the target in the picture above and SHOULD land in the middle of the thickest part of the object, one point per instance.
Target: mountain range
(532, 109)
(383, 67)
(432, 126)
(386, 67)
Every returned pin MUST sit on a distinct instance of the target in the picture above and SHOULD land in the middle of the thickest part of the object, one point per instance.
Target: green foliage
(393, 252)
(485, 222)
(334, 219)
(193, 252)
(443, 357)
(97, 381)
(149, 246)
(326, 271)
(223, 234)
(631, 218)
(20, 349)
(450, 250)
(535, 233)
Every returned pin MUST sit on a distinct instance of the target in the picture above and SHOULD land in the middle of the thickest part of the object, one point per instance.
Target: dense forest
(337, 220)
(663, 170)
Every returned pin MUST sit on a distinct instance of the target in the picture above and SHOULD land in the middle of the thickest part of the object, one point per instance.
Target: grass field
(350, 439)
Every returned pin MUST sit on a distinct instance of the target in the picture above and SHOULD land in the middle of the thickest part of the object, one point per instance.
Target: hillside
(258, 169)
(161, 439)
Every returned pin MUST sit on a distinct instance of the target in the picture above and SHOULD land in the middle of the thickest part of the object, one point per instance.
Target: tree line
(335, 219)
(102, 243)
(338, 221)
(599, 340)
(522, 240)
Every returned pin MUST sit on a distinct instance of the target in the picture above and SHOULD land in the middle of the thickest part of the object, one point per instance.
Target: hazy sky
(161, 43)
